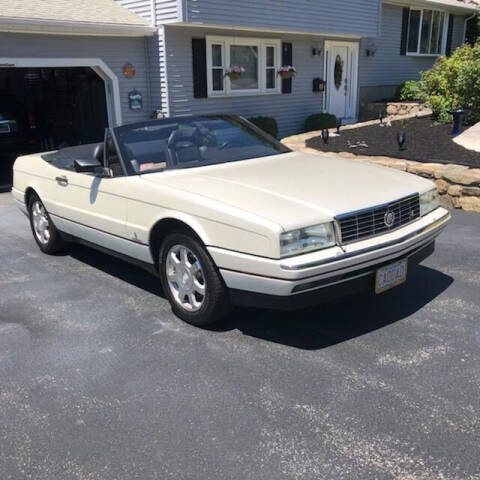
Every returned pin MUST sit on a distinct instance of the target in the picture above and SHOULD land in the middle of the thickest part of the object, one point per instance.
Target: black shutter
(404, 41)
(199, 61)
(287, 59)
(448, 50)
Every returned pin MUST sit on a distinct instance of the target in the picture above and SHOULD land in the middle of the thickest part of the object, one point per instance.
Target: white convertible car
(226, 215)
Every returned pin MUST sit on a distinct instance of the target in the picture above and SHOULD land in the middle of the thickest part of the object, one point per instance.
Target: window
(259, 60)
(426, 32)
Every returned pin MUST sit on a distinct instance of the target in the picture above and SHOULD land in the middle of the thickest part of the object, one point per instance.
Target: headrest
(190, 135)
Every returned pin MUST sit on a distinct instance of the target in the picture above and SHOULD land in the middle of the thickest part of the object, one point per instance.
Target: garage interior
(44, 109)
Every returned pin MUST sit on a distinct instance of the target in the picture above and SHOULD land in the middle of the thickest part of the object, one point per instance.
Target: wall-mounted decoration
(135, 100)
(338, 72)
(316, 52)
(129, 70)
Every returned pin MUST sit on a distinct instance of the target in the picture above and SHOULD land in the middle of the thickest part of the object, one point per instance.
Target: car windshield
(188, 142)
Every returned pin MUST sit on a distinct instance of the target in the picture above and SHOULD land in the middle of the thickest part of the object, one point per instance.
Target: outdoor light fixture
(401, 139)
(339, 125)
(325, 135)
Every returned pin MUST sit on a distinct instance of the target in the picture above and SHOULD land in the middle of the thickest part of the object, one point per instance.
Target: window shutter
(404, 41)
(199, 64)
(287, 59)
(448, 50)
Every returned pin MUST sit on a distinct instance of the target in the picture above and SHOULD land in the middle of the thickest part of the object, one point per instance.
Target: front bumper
(330, 267)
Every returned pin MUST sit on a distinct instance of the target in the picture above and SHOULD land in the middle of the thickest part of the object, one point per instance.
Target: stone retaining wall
(372, 110)
(458, 186)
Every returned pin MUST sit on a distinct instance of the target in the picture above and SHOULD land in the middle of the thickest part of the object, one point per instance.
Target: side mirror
(91, 166)
(87, 165)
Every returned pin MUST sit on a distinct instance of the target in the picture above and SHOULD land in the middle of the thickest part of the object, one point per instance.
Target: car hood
(295, 189)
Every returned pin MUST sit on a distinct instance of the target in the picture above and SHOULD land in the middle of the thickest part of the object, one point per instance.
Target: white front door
(341, 73)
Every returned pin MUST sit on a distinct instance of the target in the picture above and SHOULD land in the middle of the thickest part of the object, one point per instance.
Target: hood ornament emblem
(389, 219)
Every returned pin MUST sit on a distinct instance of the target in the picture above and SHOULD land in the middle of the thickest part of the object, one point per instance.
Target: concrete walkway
(470, 139)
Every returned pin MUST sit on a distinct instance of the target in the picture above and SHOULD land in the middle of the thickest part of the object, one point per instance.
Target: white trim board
(96, 64)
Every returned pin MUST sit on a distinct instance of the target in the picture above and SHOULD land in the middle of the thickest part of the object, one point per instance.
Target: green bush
(454, 82)
(267, 124)
(410, 90)
(319, 121)
(440, 107)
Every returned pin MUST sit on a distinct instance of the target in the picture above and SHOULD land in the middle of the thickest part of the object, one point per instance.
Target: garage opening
(44, 109)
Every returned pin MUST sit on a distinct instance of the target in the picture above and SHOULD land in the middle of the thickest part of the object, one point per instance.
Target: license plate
(390, 276)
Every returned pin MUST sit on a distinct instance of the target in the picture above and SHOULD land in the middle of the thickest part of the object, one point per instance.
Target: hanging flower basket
(286, 72)
(234, 72)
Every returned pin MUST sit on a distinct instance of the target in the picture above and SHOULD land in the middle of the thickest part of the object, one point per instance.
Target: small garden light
(401, 139)
(339, 125)
(325, 135)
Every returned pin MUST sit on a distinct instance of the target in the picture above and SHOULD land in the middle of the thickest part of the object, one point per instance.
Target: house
(68, 69)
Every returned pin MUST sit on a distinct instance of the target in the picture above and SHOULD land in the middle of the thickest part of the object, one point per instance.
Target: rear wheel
(44, 232)
(192, 282)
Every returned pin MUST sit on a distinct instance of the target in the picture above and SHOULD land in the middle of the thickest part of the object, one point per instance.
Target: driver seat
(184, 146)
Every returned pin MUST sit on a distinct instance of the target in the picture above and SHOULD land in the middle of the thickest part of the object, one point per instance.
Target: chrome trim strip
(440, 223)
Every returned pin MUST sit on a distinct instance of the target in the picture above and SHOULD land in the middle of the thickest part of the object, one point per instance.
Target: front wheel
(192, 282)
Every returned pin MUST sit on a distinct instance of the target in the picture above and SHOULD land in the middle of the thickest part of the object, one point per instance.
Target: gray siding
(290, 110)
(344, 17)
(388, 67)
(143, 8)
(166, 11)
(115, 52)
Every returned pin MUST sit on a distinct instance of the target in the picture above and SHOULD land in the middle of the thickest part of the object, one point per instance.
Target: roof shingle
(76, 11)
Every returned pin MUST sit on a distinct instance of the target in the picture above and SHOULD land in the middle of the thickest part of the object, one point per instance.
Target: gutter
(27, 25)
(460, 9)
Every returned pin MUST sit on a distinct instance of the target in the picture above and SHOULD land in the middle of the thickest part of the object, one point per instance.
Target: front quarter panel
(214, 222)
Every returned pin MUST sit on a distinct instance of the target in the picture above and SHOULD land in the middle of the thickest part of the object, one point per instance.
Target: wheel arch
(29, 191)
(170, 224)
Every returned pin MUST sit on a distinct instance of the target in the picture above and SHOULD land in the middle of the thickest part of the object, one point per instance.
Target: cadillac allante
(226, 215)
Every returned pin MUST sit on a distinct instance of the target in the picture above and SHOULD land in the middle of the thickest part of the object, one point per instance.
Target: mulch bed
(426, 142)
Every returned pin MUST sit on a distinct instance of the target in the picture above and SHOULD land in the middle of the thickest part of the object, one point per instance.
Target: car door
(94, 207)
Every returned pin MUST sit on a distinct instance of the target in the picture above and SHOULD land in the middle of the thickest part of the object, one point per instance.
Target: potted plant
(234, 72)
(286, 72)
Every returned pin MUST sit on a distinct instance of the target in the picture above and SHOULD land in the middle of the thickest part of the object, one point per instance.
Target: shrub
(319, 121)
(267, 124)
(411, 90)
(456, 80)
(440, 106)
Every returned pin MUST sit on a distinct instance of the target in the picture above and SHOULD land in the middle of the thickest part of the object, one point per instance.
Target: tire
(44, 231)
(186, 270)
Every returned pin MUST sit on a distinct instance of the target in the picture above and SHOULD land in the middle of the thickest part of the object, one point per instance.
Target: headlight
(307, 239)
(429, 201)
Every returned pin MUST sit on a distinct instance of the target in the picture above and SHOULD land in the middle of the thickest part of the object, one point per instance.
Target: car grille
(370, 222)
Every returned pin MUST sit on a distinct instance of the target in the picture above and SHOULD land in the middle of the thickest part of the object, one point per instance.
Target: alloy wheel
(186, 278)
(41, 223)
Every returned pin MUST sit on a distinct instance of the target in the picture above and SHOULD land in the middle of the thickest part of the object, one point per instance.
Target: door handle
(63, 180)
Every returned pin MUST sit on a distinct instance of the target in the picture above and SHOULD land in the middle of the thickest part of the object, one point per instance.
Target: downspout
(465, 26)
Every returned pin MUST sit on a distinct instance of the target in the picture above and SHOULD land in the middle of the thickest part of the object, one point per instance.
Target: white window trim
(262, 44)
(444, 33)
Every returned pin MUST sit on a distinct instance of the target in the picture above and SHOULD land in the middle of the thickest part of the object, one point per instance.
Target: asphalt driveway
(99, 381)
